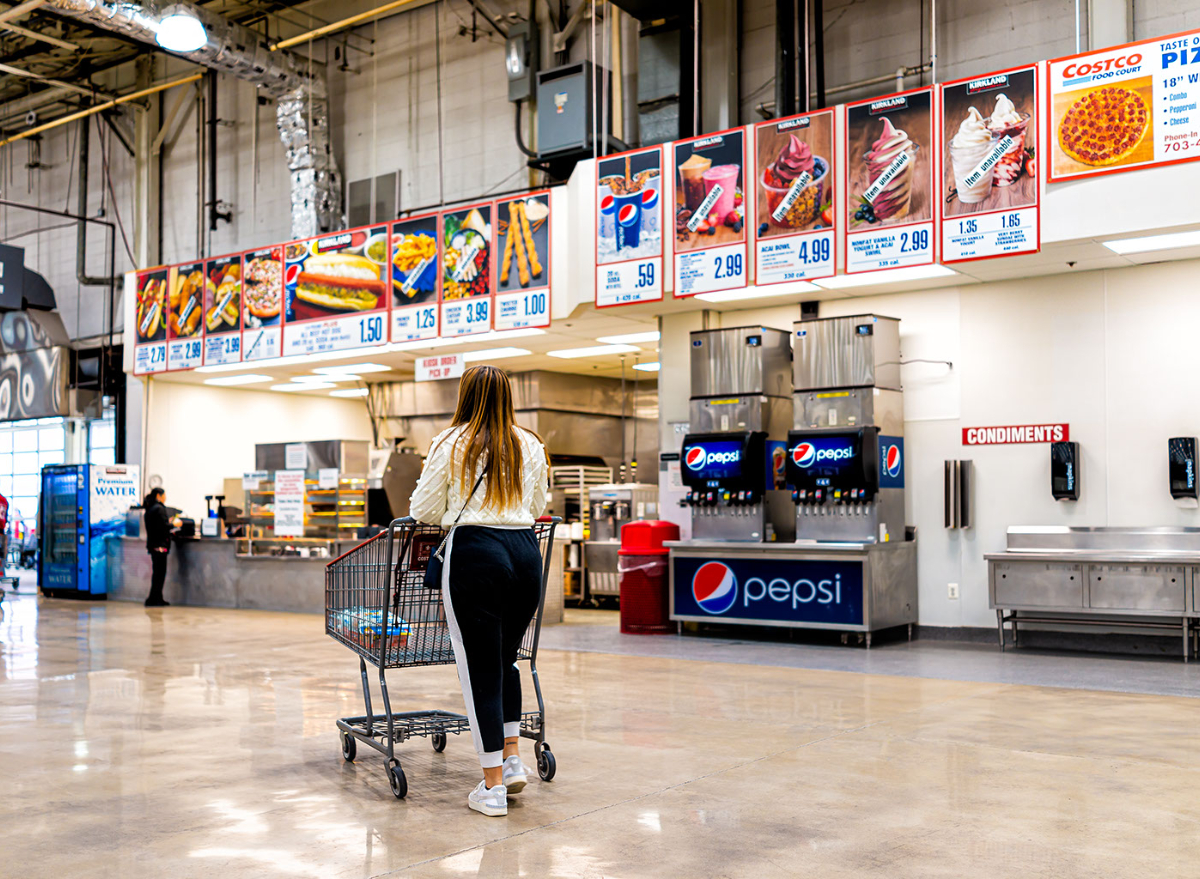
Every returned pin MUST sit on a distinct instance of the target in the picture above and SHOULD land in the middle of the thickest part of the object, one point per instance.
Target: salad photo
(466, 237)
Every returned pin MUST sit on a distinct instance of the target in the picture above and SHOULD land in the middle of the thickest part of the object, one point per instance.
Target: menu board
(467, 271)
(1128, 107)
(890, 164)
(523, 273)
(223, 309)
(334, 291)
(629, 239)
(793, 183)
(262, 313)
(989, 174)
(710, 217)
(185, 309)
(415, 272)
(150, 351)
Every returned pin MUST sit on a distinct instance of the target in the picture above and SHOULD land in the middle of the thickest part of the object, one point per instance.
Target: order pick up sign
(439, 367)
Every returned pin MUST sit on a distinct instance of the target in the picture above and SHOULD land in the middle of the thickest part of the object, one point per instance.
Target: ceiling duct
(298, 87)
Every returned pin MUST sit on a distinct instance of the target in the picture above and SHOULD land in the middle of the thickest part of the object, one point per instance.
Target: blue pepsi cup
(629, 220)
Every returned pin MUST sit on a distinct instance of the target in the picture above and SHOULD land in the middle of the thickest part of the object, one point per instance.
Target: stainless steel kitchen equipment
(732, 456)
(1107, 578)
(610, 507)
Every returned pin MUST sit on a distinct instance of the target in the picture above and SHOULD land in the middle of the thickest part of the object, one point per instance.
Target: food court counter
(211, 573)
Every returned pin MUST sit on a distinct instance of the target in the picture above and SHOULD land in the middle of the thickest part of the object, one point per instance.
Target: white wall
(197, 435)
(1107, 352)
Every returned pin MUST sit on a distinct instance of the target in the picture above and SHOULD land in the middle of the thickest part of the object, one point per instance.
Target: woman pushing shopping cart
(472, 595)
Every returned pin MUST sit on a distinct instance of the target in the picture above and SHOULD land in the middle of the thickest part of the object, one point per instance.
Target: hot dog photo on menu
(989, 145)
(890, 161)
(337, 274)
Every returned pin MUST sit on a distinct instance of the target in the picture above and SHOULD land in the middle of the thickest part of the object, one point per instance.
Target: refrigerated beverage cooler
(83, 507)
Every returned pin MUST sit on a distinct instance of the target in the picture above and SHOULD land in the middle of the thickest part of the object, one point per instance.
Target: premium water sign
(732, 460)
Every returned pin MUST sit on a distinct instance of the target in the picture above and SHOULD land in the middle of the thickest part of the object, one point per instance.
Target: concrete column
(719, 36)
(1110, 23)
(146, 232)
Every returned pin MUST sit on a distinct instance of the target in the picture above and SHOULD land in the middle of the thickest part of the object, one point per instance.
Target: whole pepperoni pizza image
(1104, 126)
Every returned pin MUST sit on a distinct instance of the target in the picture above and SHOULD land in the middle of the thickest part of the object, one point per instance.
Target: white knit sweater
(440, 494)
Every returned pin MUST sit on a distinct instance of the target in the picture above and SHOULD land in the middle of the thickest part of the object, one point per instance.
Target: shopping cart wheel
(398, 782)
(439, 741)
(546, 764)
(349, 747)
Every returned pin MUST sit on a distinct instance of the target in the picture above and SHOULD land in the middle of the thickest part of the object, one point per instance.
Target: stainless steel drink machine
(733, 456)
(845, 461)
(611, 507)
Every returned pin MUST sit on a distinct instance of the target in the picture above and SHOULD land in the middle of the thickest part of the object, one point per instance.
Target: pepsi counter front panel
(829, 461)
(735, 461)
(767, 591)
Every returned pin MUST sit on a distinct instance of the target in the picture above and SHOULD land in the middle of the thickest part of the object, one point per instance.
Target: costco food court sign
(439, 367)
(1019, 433)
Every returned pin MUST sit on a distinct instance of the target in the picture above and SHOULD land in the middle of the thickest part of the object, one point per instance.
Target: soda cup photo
(629, 220)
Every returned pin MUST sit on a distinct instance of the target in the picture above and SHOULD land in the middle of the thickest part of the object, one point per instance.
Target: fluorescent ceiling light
(349, 392)
(629, 339)
(303, 386)
(358, 368)
(180, 32)
(757, 292)
(334, 377)
(249, 379)
(593, 351)
(648, 367)
(887, 276)
(1154, 242)
(494, 354)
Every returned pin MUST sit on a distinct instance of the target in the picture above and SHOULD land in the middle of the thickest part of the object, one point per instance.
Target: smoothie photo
(709, 201)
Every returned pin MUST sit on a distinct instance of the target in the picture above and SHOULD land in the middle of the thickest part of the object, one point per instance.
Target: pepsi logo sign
(608, 204)
(649, 198)
(714, 587)
(628, 215)
(891, 461)
(695, 457)
(804, 455)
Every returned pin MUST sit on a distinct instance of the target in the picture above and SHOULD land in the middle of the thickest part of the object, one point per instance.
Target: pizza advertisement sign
(890, 168)
(522, 230)
(709, 213)
(1128, 107)
(987, 140)
(150, 315)
(223, 309)
(416, 277)
(334, 291)
(793, 194)
(629, 228)
(262, 303)
(467, 270)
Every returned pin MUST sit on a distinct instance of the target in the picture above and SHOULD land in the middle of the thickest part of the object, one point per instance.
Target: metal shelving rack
(571, 482)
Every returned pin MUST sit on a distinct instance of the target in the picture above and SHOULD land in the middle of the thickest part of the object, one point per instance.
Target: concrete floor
(194, 742)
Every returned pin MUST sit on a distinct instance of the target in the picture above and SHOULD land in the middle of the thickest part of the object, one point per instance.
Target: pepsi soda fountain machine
(845, 462)
(732, 457)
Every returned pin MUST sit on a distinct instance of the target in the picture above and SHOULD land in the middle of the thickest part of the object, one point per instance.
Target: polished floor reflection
(189, 742)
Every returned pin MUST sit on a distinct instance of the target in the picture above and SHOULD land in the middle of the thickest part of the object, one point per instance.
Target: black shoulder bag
(433, 569)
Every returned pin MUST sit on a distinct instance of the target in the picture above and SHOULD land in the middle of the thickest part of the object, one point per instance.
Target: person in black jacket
(158, 543)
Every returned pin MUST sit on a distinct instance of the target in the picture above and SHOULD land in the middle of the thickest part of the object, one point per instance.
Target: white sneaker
(516, 774)
(491, 801)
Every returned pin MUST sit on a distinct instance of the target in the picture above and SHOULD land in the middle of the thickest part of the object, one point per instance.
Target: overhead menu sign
(262, 310)
(416, 274)
(468, 271)
(891, 207)
(988, 135)
(150, 316)
(185, 313)
(1123, 108)
(523, 274)
(793, 179)
(709, 213)
(629, 228)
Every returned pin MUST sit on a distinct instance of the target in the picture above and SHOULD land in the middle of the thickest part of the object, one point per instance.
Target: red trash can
(642, 569)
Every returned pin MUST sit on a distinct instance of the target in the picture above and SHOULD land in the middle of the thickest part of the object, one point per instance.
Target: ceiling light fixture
(303, 386)
(494, 354)
(350, 392)
(648, 367)
(232, 380)
(887, 276)
(180, 31)
(630, 338)
(1154, 242)
(352, 368)
(593, 351)
(332, 377)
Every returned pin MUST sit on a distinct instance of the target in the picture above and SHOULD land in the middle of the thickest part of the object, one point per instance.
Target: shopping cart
(377, 604)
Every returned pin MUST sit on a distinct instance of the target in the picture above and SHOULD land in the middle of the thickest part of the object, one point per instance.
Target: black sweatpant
(158, 576)
(491, 586)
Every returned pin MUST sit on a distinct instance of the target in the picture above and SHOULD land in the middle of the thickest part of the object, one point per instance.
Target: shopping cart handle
(546, 520)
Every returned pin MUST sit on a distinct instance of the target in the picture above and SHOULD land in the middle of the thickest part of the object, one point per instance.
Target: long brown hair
(485, 409)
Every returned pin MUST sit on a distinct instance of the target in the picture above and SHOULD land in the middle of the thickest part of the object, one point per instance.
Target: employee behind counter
(159, 525)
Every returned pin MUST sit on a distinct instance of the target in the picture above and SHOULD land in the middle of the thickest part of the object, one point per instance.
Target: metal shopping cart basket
(376, 603)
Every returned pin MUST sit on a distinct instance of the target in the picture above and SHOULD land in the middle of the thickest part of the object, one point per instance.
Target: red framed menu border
(437, 293)
(662, 226)
(549, 263)
(492, 270)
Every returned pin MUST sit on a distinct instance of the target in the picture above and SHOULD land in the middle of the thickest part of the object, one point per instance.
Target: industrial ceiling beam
(29, 74)
(340, 25)
(34, 35)
(20, 9)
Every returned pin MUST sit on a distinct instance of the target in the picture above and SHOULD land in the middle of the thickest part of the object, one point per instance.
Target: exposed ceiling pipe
(85, 280)
(296, 84)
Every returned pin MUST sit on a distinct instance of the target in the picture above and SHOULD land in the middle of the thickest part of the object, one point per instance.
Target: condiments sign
(1016, 433)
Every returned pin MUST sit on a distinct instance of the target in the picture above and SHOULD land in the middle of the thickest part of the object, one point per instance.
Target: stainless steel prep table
(1112, 577)
(882, 592)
